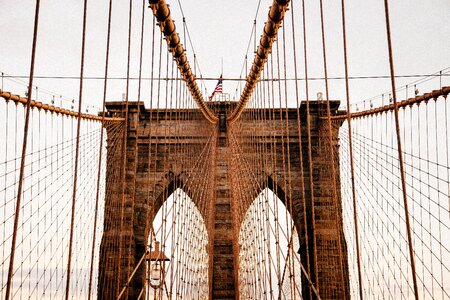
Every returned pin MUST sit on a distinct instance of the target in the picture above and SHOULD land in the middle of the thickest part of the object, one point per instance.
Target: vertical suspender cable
(101, 147)
(308, 126)
(399, 148)
(129, 277)
(333, 167)
(137, 132)
(74, 191)
(352, 168)
(124, 150)
(162, 13)
(274, 20)
(24, 151)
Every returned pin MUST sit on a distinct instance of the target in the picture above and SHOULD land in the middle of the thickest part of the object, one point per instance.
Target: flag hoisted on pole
(217, 89)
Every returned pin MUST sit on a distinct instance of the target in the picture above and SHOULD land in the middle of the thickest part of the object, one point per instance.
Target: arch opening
(269, 246)
(177, 251)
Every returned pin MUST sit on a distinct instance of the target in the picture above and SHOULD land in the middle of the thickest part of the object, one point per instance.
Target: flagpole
(221, 70)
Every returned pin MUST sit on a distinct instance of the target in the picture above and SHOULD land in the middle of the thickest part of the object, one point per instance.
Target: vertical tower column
(118, 248)
(330, 247)
(224, 272)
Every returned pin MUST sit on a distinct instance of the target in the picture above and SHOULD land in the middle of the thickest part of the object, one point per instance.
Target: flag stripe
(218, 88)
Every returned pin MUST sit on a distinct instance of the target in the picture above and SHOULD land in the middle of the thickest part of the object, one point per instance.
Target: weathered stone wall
(279, 134)
(148, 183)
(166, 131)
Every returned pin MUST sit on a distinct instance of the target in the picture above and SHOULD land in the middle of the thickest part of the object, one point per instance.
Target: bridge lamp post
(156, 267)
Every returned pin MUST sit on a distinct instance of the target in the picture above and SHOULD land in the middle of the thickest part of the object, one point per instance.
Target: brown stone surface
(167, 177)
(223, 278)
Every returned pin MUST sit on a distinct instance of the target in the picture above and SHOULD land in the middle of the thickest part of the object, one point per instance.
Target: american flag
(217, 89)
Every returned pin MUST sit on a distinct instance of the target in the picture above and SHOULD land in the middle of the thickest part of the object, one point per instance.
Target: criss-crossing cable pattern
(424, 136)
(44, 226)
(274, 196)
(167, 187)
(273, 148)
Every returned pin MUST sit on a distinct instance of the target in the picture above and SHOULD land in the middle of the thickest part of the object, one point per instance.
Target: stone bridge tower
(223, 277)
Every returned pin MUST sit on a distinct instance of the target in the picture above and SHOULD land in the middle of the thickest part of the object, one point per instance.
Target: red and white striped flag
(217, 89)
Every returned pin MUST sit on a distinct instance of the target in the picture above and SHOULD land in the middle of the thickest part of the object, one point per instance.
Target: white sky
(421, 31)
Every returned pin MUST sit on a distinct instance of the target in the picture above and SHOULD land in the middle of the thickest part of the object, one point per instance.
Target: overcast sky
(221, 29)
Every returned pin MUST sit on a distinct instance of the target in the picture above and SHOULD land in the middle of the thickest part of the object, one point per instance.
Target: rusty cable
(308, 129)
(167, 25)
(333, 167)
(24, 152)
(108, 39)
(151, 203)
(77, 151)
(352, 167)
(8, 96)
(124, 155)
(301, 163)
(129, 277)
(274, 20)
(400, 153)
(133, 186)
(291, 208)
(444, 91)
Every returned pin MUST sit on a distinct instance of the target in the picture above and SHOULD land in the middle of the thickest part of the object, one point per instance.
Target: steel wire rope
(24, 147)
(399, 147)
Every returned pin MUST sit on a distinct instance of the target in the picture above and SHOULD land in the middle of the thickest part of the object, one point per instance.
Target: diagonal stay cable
(274, 20)
(162, 13)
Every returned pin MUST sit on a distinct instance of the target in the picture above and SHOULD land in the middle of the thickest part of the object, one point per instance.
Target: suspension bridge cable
(400, 154)
(252, 34)
(185, 175)
(122, 243)
(77, 148)
(361, 77)
(167, 26)
(332, 157)
(24, 149)
(352, 172)
(196, 63)
(105, 84)
(308, 129)
(276, 15)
